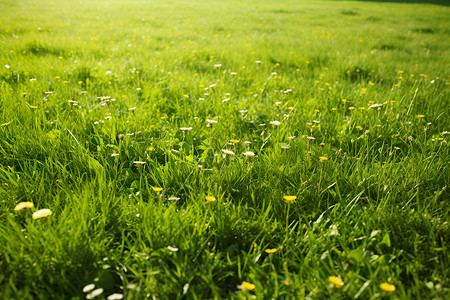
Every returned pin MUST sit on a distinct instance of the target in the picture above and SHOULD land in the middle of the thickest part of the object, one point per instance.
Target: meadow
(224, 149)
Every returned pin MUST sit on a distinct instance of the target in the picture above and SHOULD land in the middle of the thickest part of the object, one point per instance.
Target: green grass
(376, 211)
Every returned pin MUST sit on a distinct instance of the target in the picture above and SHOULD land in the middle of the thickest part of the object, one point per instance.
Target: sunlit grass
(224, 149)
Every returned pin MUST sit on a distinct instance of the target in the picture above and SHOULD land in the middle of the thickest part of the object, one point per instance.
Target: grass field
(224, 149)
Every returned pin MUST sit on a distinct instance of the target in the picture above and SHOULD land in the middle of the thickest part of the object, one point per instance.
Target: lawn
(224, 149)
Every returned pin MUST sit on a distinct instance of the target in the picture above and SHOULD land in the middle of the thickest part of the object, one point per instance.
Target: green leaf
(386, 240)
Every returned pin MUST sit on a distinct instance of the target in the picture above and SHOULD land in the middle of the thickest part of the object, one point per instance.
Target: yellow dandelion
(359, 127)
(270, 251)
(43, 213)
(157, 189)
(397, 148)
(387, 287)
(336, 281)
(248, 286)
(421, 116)
(289, 198)
(287, 282)
(23, 205)
(210, 198)
(323, 158)
(33, 107)
(234, 141)
(352, 108)
(334, 108)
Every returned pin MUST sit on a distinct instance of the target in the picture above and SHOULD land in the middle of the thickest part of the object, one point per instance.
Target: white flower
(249, 154)
(173, 249)
(88, 288)
(7, 66)
(94, 293)
(115, 297)
(275, 123)
(375, 105)
(185, 128)
(211, 121)
(227, 152)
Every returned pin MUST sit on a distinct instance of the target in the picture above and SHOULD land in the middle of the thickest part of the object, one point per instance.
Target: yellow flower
(352, 108)
(397, 148)
(234, 141)
(157, 189)
(387, 287)
(271, 250)
(210, 198)
(42, 213)
(323, 158)
(23, 205)
(248, 286)
(5, 124)
(421, 116)
(289, 198)
(336, 281)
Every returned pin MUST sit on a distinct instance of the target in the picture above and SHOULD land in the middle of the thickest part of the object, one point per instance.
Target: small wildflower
(23, 205)
(88, 288)
(352, 108)
(211, 121)
(115, 296)
(323, 158)
(397, 148)
(185, 128)
(249, 154)
(247, 285)
(139, 163)
(275, 123)
(173, 249)
(287, 282)
(270, 251)
(5, 124)
(289, 198)
(387, 287)
(234, 141)
(173, 198)
(121, 137)
(336, 281)
(210, 198)
(157, 189)
(227, 152)
(43, 213)
(421, 116)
